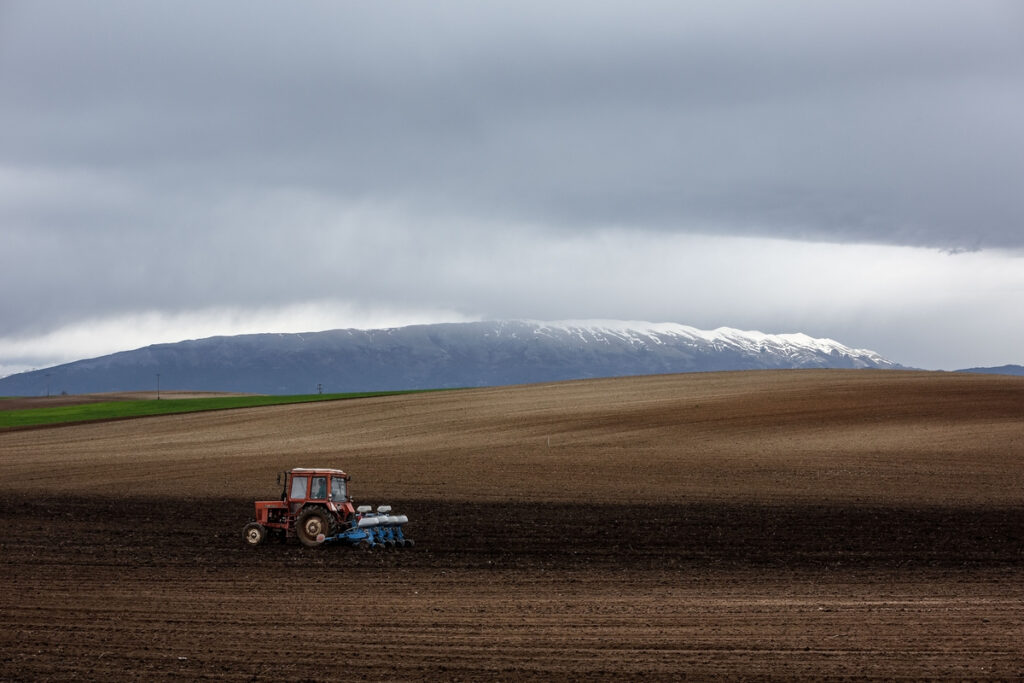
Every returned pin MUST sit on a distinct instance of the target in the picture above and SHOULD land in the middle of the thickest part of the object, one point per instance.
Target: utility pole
(158, 386)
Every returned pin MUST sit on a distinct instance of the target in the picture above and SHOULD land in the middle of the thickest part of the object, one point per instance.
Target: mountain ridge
(441, 355)
(999, 370)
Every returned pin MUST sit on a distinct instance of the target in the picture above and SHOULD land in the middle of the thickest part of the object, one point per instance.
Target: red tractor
(315, 506)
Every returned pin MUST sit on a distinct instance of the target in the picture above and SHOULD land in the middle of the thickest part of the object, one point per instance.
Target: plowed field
(735, 525)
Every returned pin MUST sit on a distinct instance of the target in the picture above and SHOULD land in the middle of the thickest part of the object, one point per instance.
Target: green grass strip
(115, 410)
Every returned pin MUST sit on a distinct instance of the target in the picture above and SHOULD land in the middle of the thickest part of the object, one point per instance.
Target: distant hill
(1001, 370)
(438, 356)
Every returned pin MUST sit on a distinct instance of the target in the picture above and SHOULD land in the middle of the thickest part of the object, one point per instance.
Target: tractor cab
(328, 488)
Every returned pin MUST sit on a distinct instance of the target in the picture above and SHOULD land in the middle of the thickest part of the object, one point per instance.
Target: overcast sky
(852, 170)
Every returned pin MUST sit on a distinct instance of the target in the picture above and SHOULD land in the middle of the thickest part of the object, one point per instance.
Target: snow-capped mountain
(437, 356)
(798, 348)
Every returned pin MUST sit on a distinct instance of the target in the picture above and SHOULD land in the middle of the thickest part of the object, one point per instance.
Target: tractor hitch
(375, 529)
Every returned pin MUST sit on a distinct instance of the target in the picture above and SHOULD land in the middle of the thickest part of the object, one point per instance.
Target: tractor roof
(318, 470)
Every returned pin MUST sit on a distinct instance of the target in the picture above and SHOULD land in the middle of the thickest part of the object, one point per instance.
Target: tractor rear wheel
(254, 533)
(313, 526)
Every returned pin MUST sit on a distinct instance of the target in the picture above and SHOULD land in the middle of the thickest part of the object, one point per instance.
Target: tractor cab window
(299, 488)
(338, 489)
(319, 489)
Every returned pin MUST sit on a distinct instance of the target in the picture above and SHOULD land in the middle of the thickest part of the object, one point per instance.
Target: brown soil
(735, 525)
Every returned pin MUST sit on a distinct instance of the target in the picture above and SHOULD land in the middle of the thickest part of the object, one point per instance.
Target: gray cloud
(861, 122)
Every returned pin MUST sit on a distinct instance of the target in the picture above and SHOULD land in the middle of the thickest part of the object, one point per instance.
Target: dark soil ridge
(175, 532)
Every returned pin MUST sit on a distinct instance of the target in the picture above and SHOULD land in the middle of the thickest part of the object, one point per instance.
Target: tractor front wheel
(313, 526)
(254, 533)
